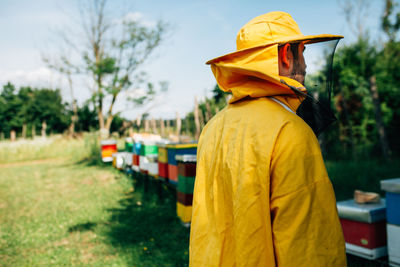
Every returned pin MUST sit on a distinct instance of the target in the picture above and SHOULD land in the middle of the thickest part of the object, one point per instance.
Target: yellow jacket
(262, 195)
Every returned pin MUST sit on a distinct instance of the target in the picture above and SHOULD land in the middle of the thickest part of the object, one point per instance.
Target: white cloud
(137, 17)
(133, 16)
(38, 78)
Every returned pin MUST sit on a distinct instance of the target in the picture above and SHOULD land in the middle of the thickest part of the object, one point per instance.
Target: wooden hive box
(178, 149)
(108, 147)
(392, 188)
(364, 228)
(184, 194)
(162, 160)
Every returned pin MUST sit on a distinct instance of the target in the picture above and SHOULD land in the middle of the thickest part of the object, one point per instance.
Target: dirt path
(32, 162)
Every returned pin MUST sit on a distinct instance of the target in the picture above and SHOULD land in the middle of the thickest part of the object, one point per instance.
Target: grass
(365, 175)
(59, 206)
(62, 211)
(39, 149)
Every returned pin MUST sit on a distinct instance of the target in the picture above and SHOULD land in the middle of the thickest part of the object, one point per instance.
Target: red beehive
(364, 228)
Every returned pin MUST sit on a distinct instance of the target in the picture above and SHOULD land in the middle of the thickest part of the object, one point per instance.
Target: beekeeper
(262, 195)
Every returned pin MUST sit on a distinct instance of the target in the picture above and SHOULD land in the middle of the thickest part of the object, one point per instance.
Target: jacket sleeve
(305, 224)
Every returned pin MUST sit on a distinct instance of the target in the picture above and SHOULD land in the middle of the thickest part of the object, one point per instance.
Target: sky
(199, 30)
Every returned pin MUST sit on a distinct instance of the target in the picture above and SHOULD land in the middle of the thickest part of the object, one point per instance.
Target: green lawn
(60, 211)
(364, 175)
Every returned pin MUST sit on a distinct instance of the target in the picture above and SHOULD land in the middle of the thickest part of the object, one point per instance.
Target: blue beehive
(180, 149)
(136, 148)
(392, 188)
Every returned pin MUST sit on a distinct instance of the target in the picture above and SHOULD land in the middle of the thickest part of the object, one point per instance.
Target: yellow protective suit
(262, 195)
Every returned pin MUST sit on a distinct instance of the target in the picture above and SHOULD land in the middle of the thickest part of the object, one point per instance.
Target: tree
(29, 106)
(48, 107)
(111, 52)
(87, 118)
(356, 70)
(10, 120)
(389, 24)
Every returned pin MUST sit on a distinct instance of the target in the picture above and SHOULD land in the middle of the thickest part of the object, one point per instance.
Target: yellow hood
(253, 69)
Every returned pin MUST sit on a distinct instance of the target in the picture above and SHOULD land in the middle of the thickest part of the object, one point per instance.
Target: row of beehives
(173, 163)
(373, 230)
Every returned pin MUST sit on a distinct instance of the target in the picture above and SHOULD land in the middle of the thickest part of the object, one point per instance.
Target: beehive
(392, 188)
(108, 147)
(147, 149)
(129, 144)
(118, 160)
(178, 149)
(186, 169)
(364, 228)
(162, 161)
(152, 166)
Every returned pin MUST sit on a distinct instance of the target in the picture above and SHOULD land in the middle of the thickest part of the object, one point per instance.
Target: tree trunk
(13, 135)
(138, 121)
(24, 127)
(168, 127)
(196, 118)
(104, 132)
(162, 127)
(208, 112)
(346, 127)
(378, 118)
(44, 127)
(154, 126)
(187, 125)
(108, 122)
(178, 124)
(201, 118)
(1, 136)
(33, 131)
(146, 126)
(71, 128)
(74, 118)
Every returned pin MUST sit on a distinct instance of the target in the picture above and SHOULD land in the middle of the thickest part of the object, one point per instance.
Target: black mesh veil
(316, 106)
(319, 60)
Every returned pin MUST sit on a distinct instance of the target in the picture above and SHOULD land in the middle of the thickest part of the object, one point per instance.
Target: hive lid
(148, 142)
(186, 158)
(369, 213)
(108, 142)
(182, 145)
(152, 158)
(391, 185)
(163, 143)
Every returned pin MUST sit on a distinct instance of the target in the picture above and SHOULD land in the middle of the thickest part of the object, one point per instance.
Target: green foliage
(87, 118)
(116, 124)
(390, 21)
(355, 134)
(9, 119)
(364, 175)
(32, 106)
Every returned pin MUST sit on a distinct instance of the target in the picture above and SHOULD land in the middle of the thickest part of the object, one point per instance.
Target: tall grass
(39, 149)
(365, 175)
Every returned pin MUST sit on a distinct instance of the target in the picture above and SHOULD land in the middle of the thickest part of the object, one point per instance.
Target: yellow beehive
(184, 212)
(162, 154)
